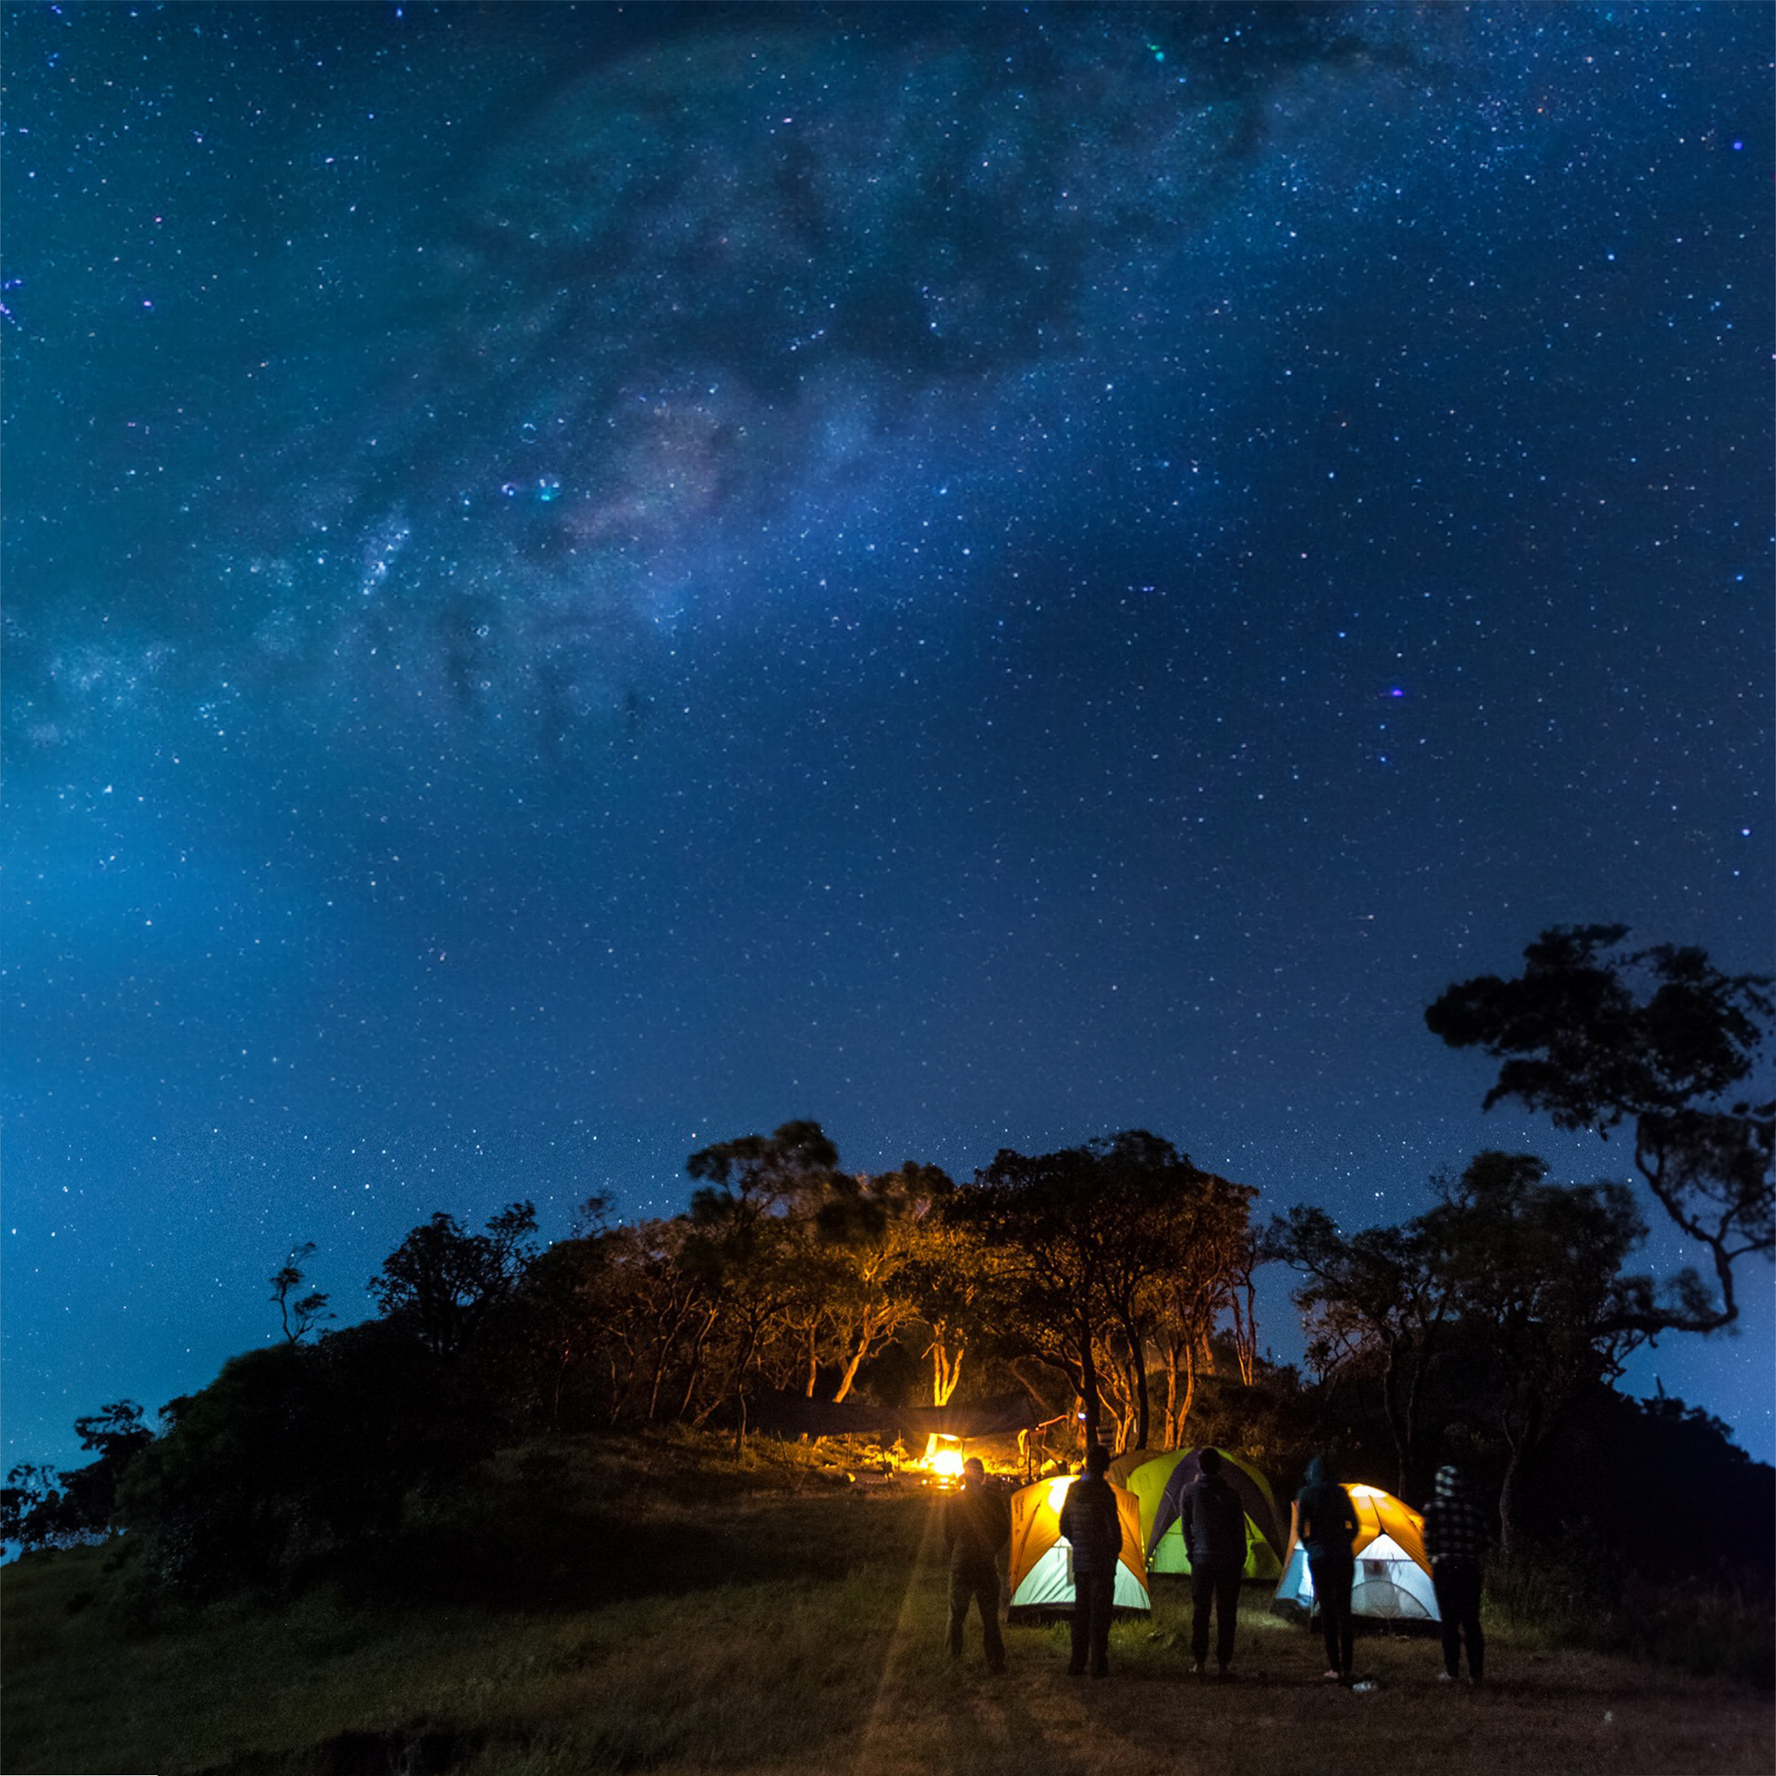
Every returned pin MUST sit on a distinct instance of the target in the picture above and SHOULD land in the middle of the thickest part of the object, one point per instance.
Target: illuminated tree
(1089, 1234)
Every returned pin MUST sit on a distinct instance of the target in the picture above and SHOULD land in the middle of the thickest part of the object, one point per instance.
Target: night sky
(581, 582)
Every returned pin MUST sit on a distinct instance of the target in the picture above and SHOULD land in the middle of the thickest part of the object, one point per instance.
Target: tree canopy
(1596, 1035)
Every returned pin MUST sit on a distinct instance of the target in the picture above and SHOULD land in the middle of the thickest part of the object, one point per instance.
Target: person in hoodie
(976, 1526)
(1214, 1525)
(1455, 1540)
(1326, 1526)
(1090, 1523)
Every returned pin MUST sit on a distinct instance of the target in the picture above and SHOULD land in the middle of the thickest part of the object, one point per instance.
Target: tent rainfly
(1042, 1563)
(1159, 1483)
(1392, 1582)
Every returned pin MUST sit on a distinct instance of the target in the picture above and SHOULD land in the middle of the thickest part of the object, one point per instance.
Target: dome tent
(1392, 1581)
(1041, 1561)
(1159, 1485)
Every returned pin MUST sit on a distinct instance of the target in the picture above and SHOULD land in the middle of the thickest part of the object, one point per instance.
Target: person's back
(1326, 1526)
(1214, 1520)
(1093, 1528)
(1454, 1531)
(1090, 1523)
(1326, 1522)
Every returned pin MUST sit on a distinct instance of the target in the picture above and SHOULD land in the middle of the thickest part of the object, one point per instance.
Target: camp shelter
(1393, 1578)
(1041, 1562)
(1121, 1466)
(1159, 1484)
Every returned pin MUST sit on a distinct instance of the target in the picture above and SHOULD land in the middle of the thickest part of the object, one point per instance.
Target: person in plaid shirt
(1455, 1539)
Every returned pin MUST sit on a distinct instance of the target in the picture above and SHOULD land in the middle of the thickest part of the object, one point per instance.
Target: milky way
(583, 582)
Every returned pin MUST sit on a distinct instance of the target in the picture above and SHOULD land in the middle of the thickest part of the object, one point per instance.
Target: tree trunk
(1245, 1331)
(1398, 1426)
(1519, 1439)
(850, 1374)
(1171, 1406)
(1137, 1365)
(1189, 1392)
(1088, 1384)
(945, 1373)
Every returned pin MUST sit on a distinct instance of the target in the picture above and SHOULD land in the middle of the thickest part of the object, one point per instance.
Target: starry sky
(583, 581)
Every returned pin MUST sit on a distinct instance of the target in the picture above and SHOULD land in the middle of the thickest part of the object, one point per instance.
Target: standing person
(1090, 1523)
(1215, 1539)
(1455, 1540)
(977, 1526)
(1326, 1526)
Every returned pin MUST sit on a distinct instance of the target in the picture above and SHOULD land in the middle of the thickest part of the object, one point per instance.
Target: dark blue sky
(581, 582)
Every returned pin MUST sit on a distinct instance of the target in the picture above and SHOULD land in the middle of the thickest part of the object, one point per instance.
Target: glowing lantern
(942, 1457)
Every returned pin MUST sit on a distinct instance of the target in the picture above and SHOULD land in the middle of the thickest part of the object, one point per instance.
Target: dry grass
(814, 1647)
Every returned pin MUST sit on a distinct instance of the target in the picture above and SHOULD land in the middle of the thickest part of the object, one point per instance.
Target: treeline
(1116, 1273)
(1111, 1282)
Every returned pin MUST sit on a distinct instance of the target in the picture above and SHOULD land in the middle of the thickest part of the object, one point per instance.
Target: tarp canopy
(1392, 1580)
(1041, 1560)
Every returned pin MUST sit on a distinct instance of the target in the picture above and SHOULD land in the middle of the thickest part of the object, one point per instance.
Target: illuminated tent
(1041, 1562)
(1159, 1484)
(1393, 1578)
(1121, 1466)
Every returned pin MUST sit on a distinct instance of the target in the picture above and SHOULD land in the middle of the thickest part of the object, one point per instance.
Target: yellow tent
(1392, 1579)
(1041, 1562)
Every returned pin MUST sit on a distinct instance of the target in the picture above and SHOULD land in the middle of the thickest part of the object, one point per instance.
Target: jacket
(1090, 1522)
(1326, 1521)
(1214, 1523)
(976, 1525)
(1455, 1533)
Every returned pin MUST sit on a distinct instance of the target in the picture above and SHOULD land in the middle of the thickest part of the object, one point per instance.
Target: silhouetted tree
(442, 1282)
(1513, 1281)
(299, 1314)
(1535, 1272)
(40, 1508)
(1596, 1035)
(298, 1458)
(1382, 1295)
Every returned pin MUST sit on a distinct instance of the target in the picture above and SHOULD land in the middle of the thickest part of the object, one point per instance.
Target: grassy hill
(624, 1606)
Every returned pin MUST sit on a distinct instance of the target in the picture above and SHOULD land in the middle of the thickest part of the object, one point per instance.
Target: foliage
(1376, 1297)
(295, 1457)
(1509, 1282)
(40, 1508)
(1112, 1245)
(1596, 1035)
(444, 1284)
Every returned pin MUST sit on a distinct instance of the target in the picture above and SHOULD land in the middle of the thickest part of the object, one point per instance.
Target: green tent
(1158, 1484)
